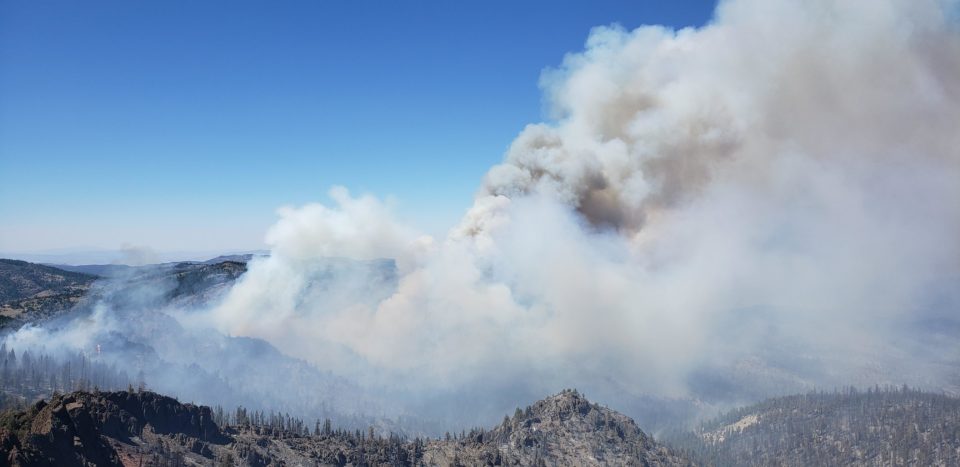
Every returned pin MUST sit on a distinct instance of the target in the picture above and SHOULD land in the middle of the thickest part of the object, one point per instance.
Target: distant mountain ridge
(114, 270)
(103, 270)
(82, 256)
(20, 279)
(31, 291)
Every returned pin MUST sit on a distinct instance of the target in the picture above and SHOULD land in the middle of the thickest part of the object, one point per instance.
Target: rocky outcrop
(101, 428)
(564, 429)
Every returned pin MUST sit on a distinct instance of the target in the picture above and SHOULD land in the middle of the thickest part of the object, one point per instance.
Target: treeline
(332, 445)
(28, 376)
(280, 424)
(336, 445)
(877, 426)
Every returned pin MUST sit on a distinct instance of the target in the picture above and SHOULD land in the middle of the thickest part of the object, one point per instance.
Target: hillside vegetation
(30, 292)
(880, 426)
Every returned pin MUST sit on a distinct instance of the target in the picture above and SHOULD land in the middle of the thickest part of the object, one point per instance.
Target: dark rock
(73, 429)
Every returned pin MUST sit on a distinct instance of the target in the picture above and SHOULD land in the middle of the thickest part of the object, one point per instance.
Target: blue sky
(183, 125)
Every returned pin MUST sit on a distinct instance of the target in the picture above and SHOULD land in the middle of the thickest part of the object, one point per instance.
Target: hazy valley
(271, 408)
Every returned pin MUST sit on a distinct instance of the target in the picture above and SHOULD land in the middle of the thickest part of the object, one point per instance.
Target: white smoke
(783, 179)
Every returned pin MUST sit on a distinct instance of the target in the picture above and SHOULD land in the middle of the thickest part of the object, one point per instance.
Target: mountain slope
(877, 427)
(30, 292)
(20, 279)
(33, 291)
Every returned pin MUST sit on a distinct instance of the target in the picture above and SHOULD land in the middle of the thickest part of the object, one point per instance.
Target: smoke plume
(773, 196)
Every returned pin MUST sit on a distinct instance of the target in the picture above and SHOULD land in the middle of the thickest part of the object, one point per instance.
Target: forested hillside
(29, 292)
(28, 376)
(879, 426)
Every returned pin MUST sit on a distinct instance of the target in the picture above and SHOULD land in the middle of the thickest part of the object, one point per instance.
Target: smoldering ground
(765, 204)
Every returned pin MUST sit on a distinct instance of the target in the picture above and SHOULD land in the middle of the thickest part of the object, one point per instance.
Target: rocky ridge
(143, 428)
(106, 429)
(564, 429)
